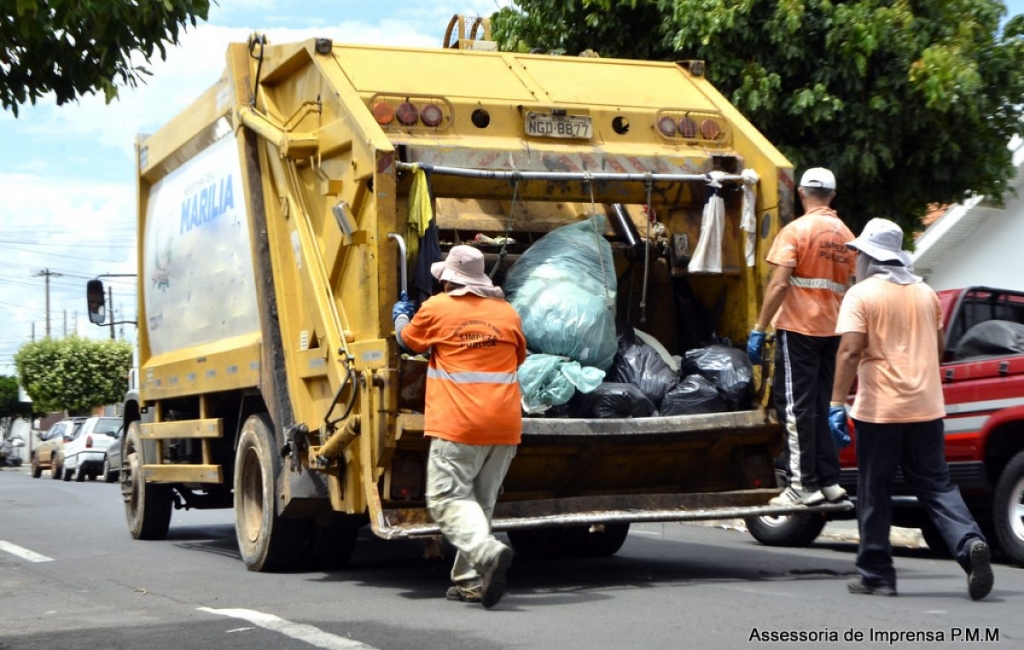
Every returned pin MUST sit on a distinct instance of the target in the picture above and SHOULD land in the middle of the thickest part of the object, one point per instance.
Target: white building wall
(992, 255)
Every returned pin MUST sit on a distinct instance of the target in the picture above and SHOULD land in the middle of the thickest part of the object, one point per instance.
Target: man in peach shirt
(892, 340)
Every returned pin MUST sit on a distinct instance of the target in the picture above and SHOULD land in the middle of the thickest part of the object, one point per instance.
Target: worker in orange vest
(473, 413)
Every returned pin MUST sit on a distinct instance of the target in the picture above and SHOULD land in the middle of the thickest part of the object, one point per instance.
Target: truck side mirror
(97, 300)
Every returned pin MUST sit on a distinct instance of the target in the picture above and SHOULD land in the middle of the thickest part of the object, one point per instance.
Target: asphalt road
(89, 585)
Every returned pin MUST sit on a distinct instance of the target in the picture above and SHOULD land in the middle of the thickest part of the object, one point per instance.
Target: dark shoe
(858, 586)
(494, 576)
(463, 595)
(979, 578)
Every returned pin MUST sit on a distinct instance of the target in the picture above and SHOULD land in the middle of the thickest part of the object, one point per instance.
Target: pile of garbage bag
(563, 288)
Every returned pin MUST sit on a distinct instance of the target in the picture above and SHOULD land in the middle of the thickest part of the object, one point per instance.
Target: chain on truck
(272, 214)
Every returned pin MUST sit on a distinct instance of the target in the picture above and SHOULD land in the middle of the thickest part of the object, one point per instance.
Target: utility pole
(110, 293)
(33, 332)
(47, 273)
(65, 323)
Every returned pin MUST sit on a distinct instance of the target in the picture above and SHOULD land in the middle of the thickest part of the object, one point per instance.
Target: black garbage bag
(693, 395)
(639, 364)
(729, 371)
(993, 337)
(612, 400)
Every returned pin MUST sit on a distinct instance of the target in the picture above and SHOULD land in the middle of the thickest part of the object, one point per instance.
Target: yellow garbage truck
(281, 213)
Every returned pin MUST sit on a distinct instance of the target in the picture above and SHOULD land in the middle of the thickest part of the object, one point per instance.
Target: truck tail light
(710, 130)
(687, 128)
(407, 113)
(693, 127)
(759, 471)
(88, 442)
(408, 475)
(667, 126)
(431, 115)
(383, 113)
(412, 113)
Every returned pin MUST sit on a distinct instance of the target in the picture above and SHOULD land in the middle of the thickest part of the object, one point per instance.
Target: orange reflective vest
(477, 345)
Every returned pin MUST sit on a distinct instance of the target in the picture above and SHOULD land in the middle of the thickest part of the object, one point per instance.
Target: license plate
(545, 125)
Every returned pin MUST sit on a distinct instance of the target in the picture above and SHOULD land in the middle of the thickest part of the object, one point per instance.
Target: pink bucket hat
(464, 265)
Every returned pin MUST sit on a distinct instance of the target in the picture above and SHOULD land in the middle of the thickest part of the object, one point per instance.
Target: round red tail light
(710, 130)
(667, 126)
(407, 114)
(382, 112)
(687, 127)
(431, 115)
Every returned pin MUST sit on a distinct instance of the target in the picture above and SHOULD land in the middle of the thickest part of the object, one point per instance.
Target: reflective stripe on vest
(474, 377)
(818, 283)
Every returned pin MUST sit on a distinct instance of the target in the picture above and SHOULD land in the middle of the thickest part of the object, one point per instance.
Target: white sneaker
(792, 497)
(833, 493)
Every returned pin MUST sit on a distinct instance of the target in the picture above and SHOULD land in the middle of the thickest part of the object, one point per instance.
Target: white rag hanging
(748, 221)
(707, 257)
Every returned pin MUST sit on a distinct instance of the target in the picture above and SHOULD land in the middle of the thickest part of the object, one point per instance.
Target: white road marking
(307, 633)
(23, 553)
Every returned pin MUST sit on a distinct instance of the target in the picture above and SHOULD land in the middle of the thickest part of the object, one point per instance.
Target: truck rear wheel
(569, 541)
(266, 541)
(37, 471)
(1008, 509)
(146, 505)
(331, 545)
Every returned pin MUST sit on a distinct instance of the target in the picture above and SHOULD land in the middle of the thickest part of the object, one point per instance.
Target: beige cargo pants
(462, 486)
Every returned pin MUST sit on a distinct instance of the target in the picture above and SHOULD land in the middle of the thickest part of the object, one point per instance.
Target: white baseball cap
(818, 177)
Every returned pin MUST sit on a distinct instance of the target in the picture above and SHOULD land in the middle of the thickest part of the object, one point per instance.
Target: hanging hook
(648, 189)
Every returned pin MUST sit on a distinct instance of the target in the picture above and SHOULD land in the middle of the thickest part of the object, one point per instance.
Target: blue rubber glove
(840, 429)
(404, 306)
(755, 346)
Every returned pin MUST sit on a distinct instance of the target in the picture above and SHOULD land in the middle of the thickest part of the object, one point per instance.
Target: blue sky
(67, 174)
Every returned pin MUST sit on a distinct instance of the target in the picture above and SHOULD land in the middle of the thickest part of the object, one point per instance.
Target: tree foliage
(10, 407)
(909, 102)
(74, 374)
(73, 47)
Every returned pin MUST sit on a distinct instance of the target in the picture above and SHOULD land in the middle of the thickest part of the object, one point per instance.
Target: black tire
(92, 475)
(56, 471)
(70, 473)
(1008, 509)
(266, 541)
(795, 531)
(37, 471)
(569, 541)
(331, 545)
(147, 506)
(109, 475)
(80, 475)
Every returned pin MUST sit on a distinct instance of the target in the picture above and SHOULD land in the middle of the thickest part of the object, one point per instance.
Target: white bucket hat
(882, 240)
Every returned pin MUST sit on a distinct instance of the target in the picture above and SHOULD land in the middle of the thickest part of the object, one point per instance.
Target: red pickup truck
(983, 384)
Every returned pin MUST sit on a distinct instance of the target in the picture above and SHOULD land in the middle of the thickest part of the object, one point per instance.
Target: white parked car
(85, 452)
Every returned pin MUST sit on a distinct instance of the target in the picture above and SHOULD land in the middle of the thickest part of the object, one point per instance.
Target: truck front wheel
(1008, 509)
(266, 541)
(146, 505)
